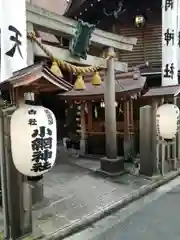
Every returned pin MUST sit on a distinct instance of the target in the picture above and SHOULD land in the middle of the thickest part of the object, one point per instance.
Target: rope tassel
(96, 79)
(79, 84)
(56, 70)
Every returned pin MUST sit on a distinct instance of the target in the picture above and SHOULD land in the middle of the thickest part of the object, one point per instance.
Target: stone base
(112, 167)
(37, 192)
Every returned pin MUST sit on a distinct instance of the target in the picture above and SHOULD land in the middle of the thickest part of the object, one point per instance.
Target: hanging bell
(79, 84)
(96, 79)
(56, 70)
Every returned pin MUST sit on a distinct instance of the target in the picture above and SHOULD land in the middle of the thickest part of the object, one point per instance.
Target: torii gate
(60, 25)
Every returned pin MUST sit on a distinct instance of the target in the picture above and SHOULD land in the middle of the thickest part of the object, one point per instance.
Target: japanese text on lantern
(49, 117)
(41, 144)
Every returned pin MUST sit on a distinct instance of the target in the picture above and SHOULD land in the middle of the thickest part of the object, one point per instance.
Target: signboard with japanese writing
(33, 140)
(13, 37)
(169, 42)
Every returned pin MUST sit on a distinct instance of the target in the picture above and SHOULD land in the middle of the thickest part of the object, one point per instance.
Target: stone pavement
(76, 195)
(156, 217)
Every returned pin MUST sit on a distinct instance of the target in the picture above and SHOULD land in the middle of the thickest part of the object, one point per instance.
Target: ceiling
(106, 12)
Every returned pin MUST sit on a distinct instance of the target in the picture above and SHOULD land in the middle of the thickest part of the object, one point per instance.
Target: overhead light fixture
(139, 20)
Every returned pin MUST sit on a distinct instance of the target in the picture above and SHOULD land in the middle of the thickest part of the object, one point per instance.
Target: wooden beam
(60, 25)
(74, 7)
(65, 55)
(89, 120)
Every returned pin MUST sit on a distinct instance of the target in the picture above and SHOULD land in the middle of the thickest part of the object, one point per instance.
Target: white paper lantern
(33, 140)
(167, 120)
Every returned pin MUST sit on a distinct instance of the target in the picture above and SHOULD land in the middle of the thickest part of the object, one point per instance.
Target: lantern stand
(174, 158)
(165, 154)
(16, 190)
(26, 207)
(161, 145)
(166, 150)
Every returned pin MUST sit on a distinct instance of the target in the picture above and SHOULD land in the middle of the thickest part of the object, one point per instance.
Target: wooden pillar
(89, 120)
(14, 183)
(18, 194)
(174, 155)
(83, 131)
(178, 139)
(26, 188)
(126, 143)
(131, 116)
(131, 128)
(110, 165)
(126, 119)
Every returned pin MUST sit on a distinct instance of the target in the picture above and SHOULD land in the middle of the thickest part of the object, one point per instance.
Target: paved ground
(156, 216)
(74, 192)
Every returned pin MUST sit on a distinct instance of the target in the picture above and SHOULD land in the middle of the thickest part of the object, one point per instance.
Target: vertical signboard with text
(169, 42)
(13, 37)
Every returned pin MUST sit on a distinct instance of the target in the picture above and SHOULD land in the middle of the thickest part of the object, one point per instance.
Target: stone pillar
(155, 148)
(149, 155)
(110, 109)
(30, 51)
(145, 128)
(110, 164)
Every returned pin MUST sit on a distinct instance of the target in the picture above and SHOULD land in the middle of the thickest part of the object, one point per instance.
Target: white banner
(13, 37)
(169, 42)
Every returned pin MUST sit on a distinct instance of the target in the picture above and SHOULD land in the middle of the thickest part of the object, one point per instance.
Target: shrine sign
(13, 37)
(169, 42)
